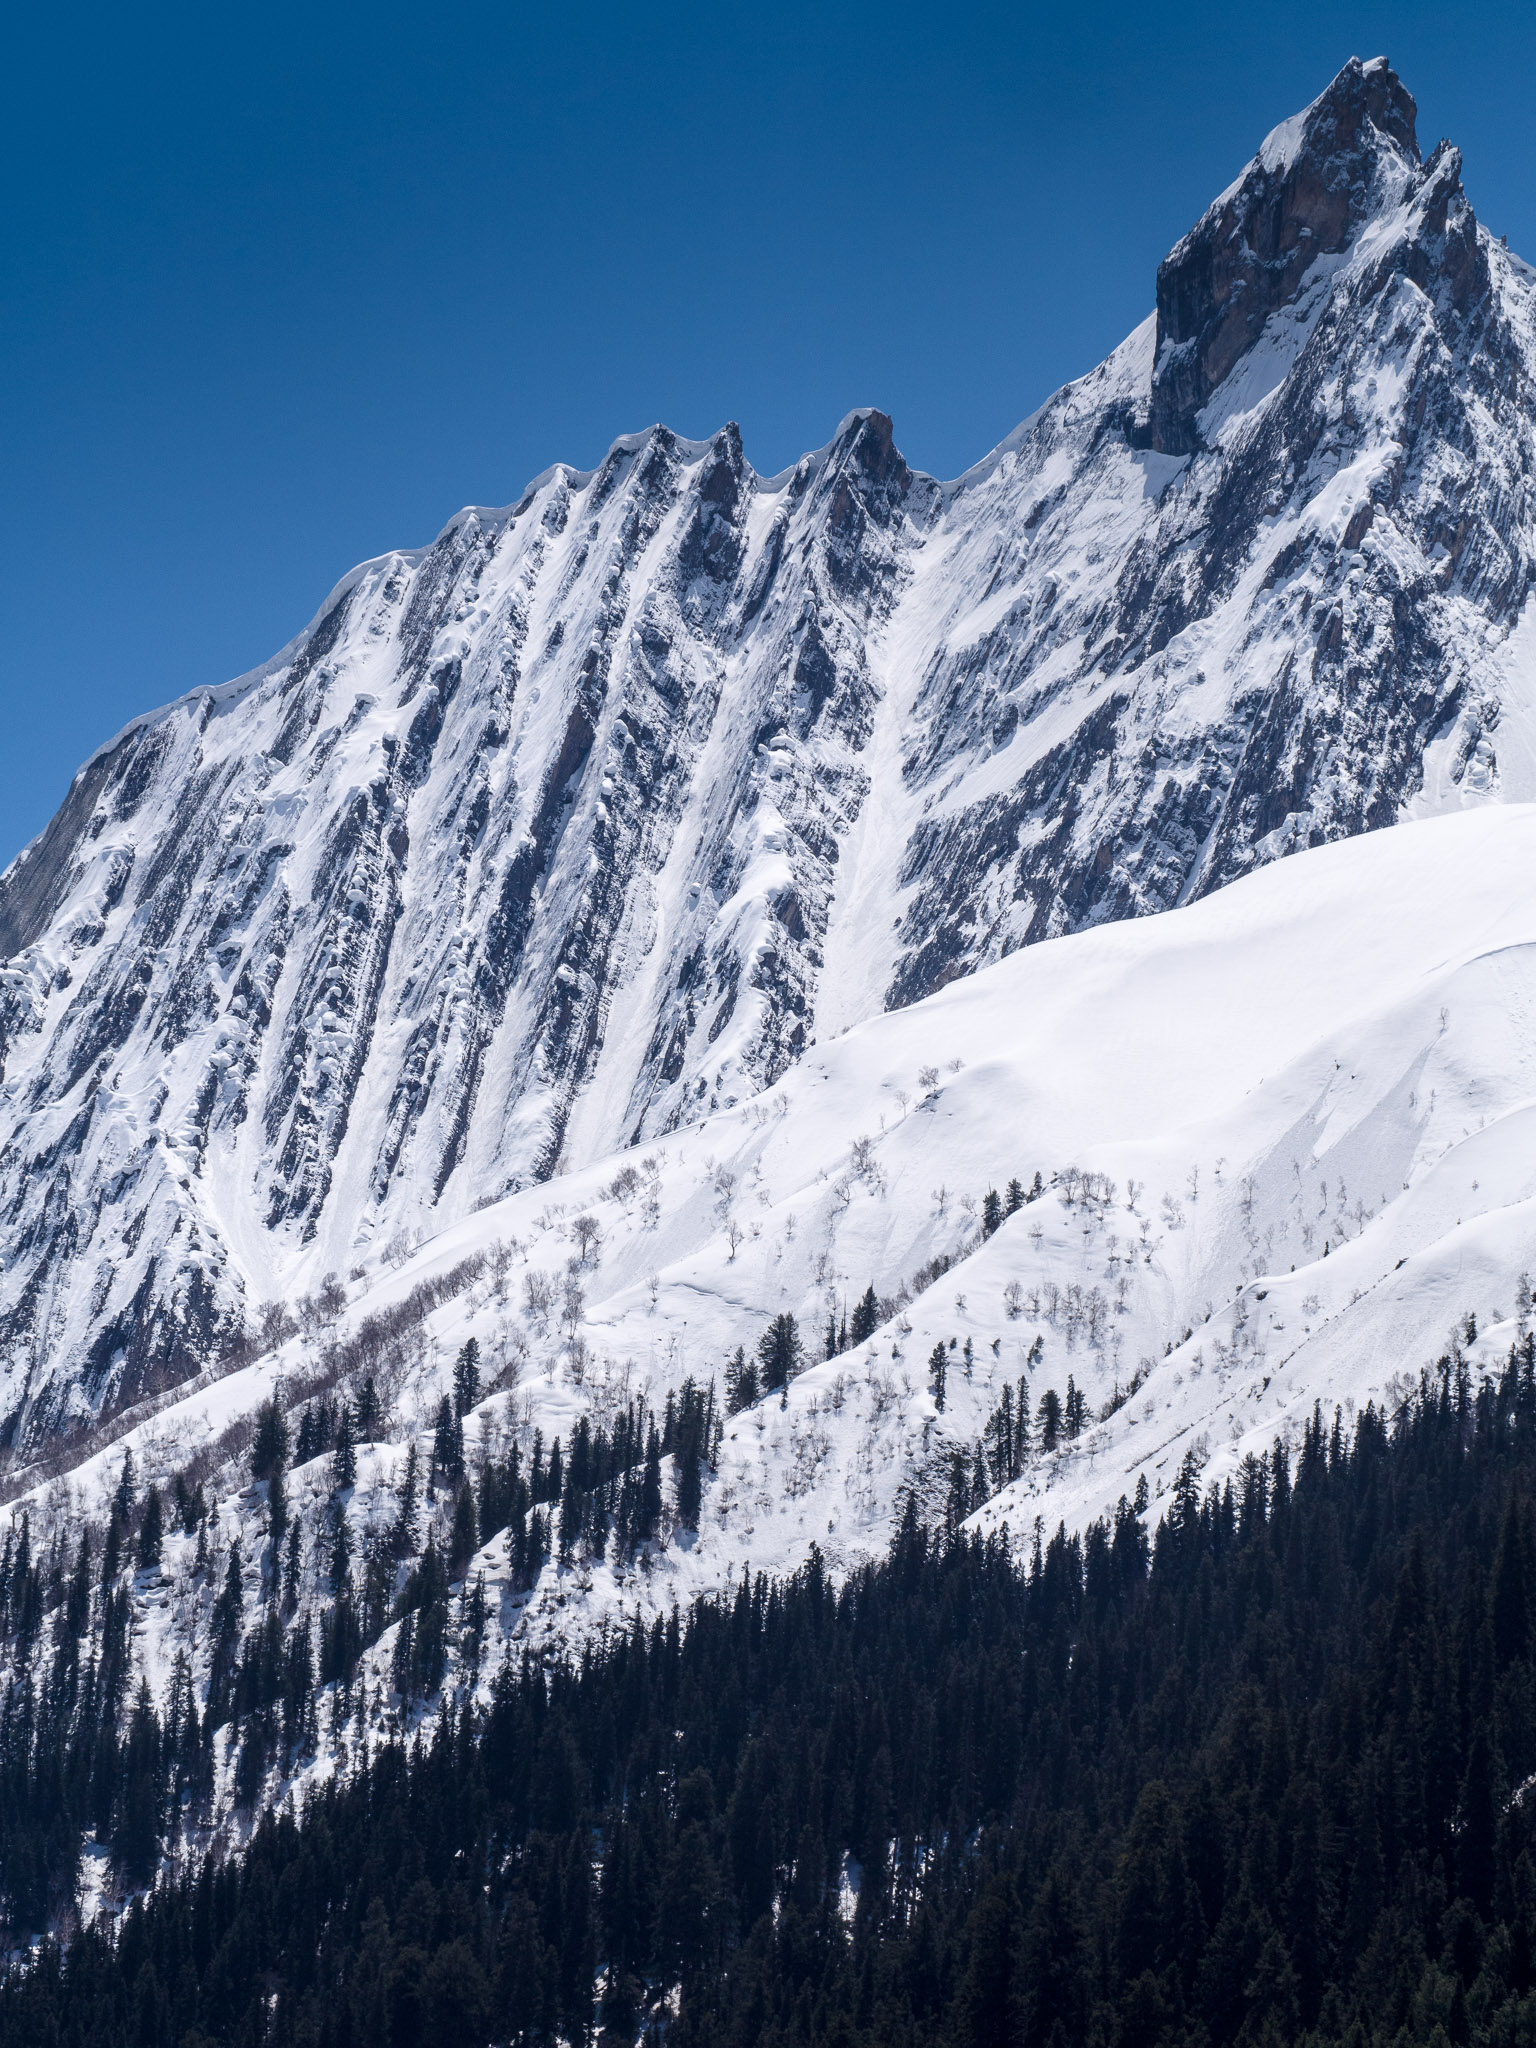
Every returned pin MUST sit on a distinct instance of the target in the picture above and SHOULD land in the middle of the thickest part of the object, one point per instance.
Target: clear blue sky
(283, 286)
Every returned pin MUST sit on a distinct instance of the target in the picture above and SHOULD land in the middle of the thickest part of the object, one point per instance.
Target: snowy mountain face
(1314, 1179)
(589, 821)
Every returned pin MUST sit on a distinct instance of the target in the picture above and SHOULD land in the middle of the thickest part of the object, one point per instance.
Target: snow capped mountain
(1314, 1174)
(590, 820)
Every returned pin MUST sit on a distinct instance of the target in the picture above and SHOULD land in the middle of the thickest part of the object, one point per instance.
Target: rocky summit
(589, 820)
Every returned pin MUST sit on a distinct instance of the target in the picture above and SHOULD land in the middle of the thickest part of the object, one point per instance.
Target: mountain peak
(1314, 179)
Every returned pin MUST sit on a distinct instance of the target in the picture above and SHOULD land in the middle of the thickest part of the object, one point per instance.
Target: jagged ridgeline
(594, 815)
(1257, 1776)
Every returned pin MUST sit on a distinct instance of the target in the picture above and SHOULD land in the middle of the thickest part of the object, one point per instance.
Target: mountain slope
(1314, 1169)
(593, 816)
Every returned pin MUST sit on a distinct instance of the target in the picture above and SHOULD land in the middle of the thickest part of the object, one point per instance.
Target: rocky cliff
(589, 818)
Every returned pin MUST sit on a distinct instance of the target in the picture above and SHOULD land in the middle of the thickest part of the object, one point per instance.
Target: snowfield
(1287, 1145)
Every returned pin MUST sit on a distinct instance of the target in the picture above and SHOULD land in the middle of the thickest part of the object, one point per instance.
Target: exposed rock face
(600, 809)
(1304, 195)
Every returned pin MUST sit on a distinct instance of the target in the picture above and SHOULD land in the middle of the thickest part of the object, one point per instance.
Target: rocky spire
(1305, 194)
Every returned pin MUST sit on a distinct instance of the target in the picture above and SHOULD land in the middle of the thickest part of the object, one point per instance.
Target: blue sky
(283, 287)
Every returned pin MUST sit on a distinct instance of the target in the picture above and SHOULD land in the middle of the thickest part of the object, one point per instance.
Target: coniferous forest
(1256, 1776)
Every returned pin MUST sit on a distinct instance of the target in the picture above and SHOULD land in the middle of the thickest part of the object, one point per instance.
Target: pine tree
(135, 1839)
(991, 1212)
(405, 1526)
(151, 1531)
(291, 1571)
(938, 1367)
(277, 1515)
(1049, 1417)
(340, 1566)
(1021, 1426)
(648, 1515)
(779, 1352)
(571, 1519)
(1075, 1414)
(475, 1612)
(122, 1500)
(77, 1609)
(466, 1379)
(402, 1663)
(740, 1382)
(269, 1447)
(369, 1415)
(447, 1441)
(866, 1316)
(1015, 1196)
(344, 1454)
(431, 1620)
(462, 1541)
(690, 1435)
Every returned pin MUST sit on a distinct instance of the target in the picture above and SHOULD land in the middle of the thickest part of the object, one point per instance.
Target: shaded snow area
(1286, 1145)
(612, 807)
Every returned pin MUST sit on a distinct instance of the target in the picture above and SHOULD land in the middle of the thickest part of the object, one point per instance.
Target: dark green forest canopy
(1256, 1779)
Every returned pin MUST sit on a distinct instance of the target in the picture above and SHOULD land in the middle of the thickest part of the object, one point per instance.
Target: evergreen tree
(369, 1413)
(344, 1453)
(1048, 1415)
(740, 1382)
(463, 1541)
(1015, 1200)
(447, 1441)
(991, 1212)
(1075, 1411)
(77, 1610)
(135, 1838)
(466, 1379)
(340, 1566)
(291, 1569)
(122, 1500)
(269, 1446)
(151, 1531)
(648, 1514)
(779, 1352)
(277, 1516)
(866, 1316)
(405, 1525)
(938, 1368)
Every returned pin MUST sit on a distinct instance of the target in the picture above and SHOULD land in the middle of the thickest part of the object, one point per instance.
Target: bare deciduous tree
(587, 1234)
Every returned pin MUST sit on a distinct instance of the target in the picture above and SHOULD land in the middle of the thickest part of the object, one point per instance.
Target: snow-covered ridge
(596, 816)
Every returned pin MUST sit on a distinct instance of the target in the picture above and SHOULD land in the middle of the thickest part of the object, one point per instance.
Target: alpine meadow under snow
(1063, 937)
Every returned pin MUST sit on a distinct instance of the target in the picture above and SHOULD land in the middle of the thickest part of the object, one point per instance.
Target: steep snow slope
(592, 817)
(1286, 1140)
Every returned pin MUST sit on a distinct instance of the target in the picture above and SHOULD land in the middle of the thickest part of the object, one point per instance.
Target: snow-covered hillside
(1284, 1140)
(606, 810)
